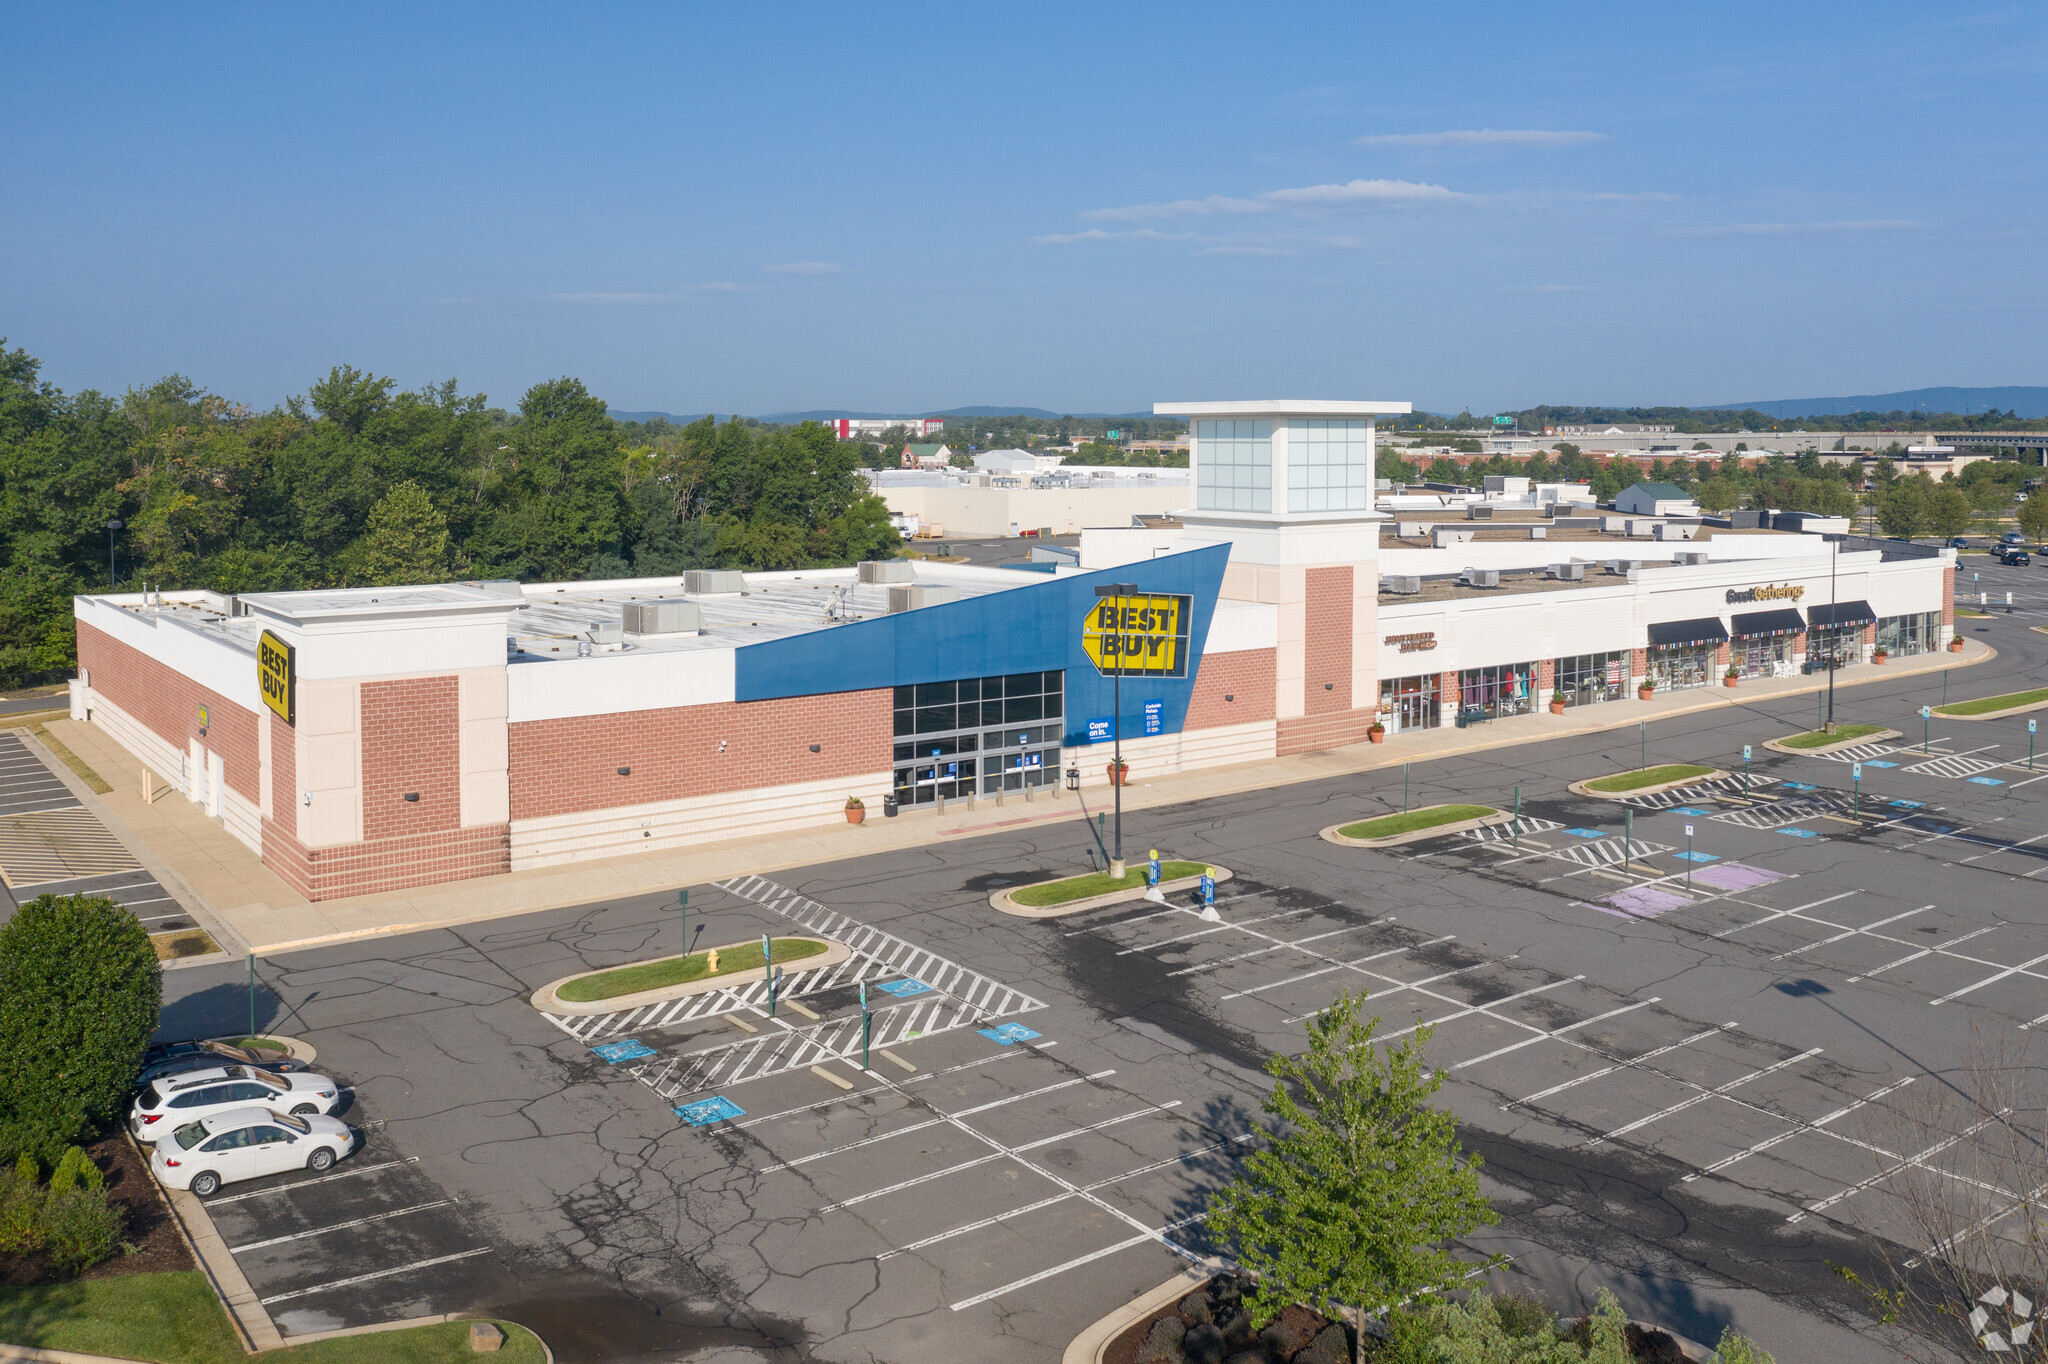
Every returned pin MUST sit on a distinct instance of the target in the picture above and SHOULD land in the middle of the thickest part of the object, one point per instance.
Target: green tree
(407, 541)
(2034, 514)
(79, 993)
(1354, 1196)
(1718, 494)
(1903, 508)
(1948, 510)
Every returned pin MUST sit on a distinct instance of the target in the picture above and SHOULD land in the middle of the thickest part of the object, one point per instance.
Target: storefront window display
(983, 733)
(1842, 643)
(1762, 642)
(1589, 679)
(1411, 702)
(1676, 667)
(1904, 636)
(1492, 692)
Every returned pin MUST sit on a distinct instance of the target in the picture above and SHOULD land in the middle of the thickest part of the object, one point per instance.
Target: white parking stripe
(340, 1226)
(1555, 1032)
(1621, 1065)
(1816, 1125)
(1486, 1009)
(1925, 952)
(1778, 914)
(863, 1093)
(1701, 1098)
(931, 1122)
(307, 1183)
(1335, 966)
(1276, 947)
(1090, 1258)
(1913, 1161)
(380, 1274)
(1850, 933)
(2021, 970)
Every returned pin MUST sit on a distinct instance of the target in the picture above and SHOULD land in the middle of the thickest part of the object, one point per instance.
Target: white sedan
(244, 1143)
(172, 1100)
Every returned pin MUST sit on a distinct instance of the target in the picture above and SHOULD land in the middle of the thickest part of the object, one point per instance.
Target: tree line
(355, 482)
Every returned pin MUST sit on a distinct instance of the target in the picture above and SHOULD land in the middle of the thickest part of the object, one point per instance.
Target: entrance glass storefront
(1589, 679)
(1492, 692)
(1841, 643)
(1677, 667)
(983, 733)
(1762, 642)
(1411, 702)
(1904, 636)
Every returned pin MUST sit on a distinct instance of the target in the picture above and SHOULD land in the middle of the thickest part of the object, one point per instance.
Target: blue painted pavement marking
(903, 989)
(1686, 810)
(1799, 785)
(1008, 1033)
(1986, 781)
(1699, 857)
(717, 1108)
(1799, 833)
(1585, 833)
(1907, 804)
(1873, 762)
(631, 1049)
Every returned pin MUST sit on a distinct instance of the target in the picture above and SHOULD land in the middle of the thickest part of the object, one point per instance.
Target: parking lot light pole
(867, 1021)
(1628, 835)
(1745, 771)
(1642, 745)
(1116, 724)
(112, 526)
(683, 915)
(1518, 817)
(768, 968)
(252, 994)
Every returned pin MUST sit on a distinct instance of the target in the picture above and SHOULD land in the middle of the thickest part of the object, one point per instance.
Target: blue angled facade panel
(1033, 627)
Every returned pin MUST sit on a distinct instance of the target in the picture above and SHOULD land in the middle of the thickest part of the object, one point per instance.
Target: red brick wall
(400, 863)
(1314, 733)
(1948, 604)
(1326, 655)
(1247, 675)
(564, 766)
(168, 703)
(284, 773)
(1450, 695)
(410, 732)
(1546, 678)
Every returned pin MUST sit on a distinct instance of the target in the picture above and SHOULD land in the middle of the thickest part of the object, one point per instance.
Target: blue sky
(1086, 207)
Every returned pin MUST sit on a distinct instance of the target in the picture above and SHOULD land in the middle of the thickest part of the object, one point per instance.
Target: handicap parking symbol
(1799, 833)
(611, 1053)
(1878, 762)
(1008, 1033)
(1687, 810)
(1698, 857)
(1907, 804)
(904, 989)
(1585, 833)
(1800, 785)
(1986, 781)
(717, 1108)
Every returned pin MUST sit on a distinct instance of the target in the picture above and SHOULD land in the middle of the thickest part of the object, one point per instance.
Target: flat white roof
(1285, 407)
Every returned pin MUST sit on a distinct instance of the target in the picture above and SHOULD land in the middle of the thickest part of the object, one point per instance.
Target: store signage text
(277, 676)
(1143, 635)
(1415, 643)
(1782, 592)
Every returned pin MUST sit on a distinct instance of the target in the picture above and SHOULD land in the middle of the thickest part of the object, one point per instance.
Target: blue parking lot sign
(704, 1112)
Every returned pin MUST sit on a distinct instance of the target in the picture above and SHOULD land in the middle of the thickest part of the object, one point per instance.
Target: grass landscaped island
(1985, 704)
(1648, 776)
(1409, 821)
(173, 1318)
(654, 975)
(1820, 738)
(1099, 883)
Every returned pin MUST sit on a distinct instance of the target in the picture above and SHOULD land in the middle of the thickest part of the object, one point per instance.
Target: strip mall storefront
(1472, 655)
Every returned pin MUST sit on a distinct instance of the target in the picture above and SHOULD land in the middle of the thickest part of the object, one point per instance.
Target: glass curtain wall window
(1589, 679)
(1411, 702)
(1762, 655)
(1234, 466)
(1904, 636)
(1843, 643)
(1329, 466)
(984, 734)
(1677, 667)
(1504, 689)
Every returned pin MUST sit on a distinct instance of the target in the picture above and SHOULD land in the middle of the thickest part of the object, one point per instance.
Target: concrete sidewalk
(266, 914)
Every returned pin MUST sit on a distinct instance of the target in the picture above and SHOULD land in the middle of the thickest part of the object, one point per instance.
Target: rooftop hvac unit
(1406, 585)
(1539, 532)
(499, 587)
(1410, 530)
(1441, 536)
(1475, 512)
(663, 616)
(712, 582)
(1482, 577)
(1569, 572)
(888, 571)
(1676, 530)
(1621, 567)
(910, 596)
(1691, 556)
(606, 631)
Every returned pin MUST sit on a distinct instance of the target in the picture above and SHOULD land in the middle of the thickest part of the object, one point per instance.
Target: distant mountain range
(2026, 401)
(827, 413)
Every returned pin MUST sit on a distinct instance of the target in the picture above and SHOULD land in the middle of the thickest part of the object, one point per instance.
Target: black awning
(1786, 622)
(1841, 613)
(1705, 630)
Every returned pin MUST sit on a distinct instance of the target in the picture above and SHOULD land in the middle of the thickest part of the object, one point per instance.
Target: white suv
(172, 1100)
(244, 1143)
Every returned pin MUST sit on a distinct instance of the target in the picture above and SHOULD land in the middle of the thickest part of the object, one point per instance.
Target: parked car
(243, 1143)
(178, 1058)
(173, 1100)
(2011, 537)
(2012, 554)
(1958, 542)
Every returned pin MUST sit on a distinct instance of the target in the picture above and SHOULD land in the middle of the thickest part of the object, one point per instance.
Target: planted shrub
(80, 1228)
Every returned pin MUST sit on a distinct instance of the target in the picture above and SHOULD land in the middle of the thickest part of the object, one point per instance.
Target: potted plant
(1732, 676)
(1376, 732)
(1119, 773)
(1645, 689)
(1880, 655)
(1557, 703)
(855, 811)
(1955, 646)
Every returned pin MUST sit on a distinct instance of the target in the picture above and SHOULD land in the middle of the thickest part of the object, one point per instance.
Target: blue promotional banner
(1101, 731)
(1155, 717)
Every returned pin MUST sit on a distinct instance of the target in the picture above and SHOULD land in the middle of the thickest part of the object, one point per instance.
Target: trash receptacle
(889, 806)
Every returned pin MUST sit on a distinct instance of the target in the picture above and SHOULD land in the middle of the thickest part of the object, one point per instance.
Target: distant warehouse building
(372, 739)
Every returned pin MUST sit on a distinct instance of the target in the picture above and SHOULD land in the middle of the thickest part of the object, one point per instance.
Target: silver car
(244, 1143)
(173, 1100)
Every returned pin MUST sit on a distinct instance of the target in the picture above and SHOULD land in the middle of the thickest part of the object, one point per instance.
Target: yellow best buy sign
(1142, 635)
(277, 674)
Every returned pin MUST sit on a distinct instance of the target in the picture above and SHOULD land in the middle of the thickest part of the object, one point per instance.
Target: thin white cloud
(1242, 249)
(1306, 199)
(804, 267)
(1096, 234)
(1797, 229)
(614, 298)
(723, 287)
(1484, 137)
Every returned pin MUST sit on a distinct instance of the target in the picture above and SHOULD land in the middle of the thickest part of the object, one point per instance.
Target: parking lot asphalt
(1687, 1077)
